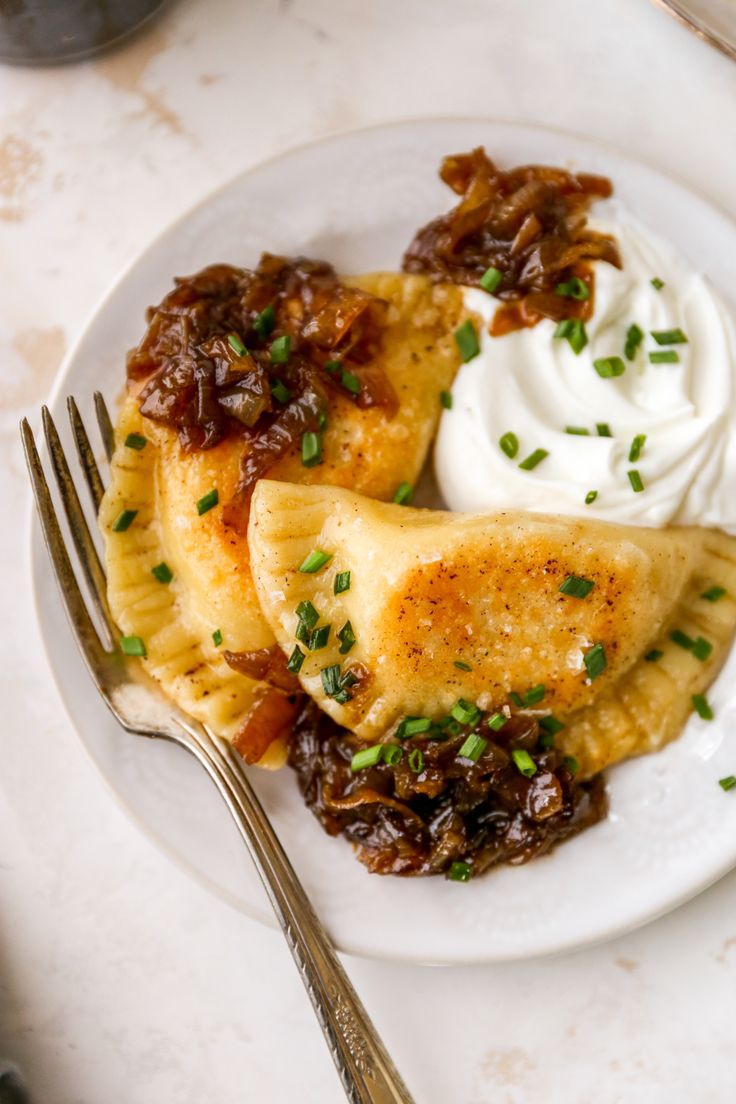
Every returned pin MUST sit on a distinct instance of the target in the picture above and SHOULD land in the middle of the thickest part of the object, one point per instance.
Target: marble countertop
(119, 977)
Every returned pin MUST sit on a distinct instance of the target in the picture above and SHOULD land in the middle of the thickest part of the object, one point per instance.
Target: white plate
(355, 200)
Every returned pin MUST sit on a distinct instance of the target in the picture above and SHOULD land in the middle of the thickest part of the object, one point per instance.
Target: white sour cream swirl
(533, 385)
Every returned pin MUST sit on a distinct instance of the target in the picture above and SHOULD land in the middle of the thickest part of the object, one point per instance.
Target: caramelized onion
(269, 718)
(265, 665)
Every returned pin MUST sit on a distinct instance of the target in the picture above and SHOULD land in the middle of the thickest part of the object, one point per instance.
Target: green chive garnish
(546, 741)
(311, 449)
(577, 431)
(669, 337)
(595, 661)
(416, 760)
(413, 726)
(473, 747)
(208, 501)
(296, 659)
(496, 721)
(728, 782)
(346, 636)
(608, 367)
(333, 366)
(467, 340)
(603, 429)
(162, 572)
(702, 648)
(571, 763)
(367, 757)
(509, 444)
(635, 480)
(701, 707)
(656, 283)
(637, 446)
(265, 322)
(577, 587)
(533, 459)
(461, 666)
(342, 582)
(307, 614)
(666, 357)
(458, 872)
(590, 497)
(634, 338)
(446, 399)
(524, 762)
(350, 382)
(236, 345)
(330, 679)
(136, 441)
(516, 699)
(318, 638)
(280, 391)
(682, 639)
(551, 725)
(281, 349)
(573, 330)
(315, 561)
(404, 494)
(534, 695)
(217, 638)
(490, 279)
(392, 754)
(133, 646)
(465, 713)
(124, 521)
(574, 288)
(654, 656)
(713, 594)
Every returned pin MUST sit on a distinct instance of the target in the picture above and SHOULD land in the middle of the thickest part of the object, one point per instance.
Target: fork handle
(367, 1073)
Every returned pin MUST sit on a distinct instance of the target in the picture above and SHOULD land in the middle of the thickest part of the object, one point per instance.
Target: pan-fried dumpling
(560, 615)
(212, 591)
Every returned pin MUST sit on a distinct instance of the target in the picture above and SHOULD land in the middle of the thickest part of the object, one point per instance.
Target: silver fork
(367, 1073)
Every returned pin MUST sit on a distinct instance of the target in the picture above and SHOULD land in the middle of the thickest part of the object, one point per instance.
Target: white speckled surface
(119, 978)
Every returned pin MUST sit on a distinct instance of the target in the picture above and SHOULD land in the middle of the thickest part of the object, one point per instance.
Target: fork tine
(86, 551)
(86, 455)
(104, 421)
(79, 618)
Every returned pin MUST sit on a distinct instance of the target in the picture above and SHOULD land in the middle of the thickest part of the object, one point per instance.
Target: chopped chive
(590, 497)
(217, 638)
(533, 459)
(701, 707)
(654, 656)
(307, 614)
(573, 331)
(509, 444)
(367, 757)
(465, 713)
(524, 762)
(702, 648)
(634, 338)
(534, 695)
(635, 480)
(342, 582)
(124, 520)
(280, 391)
(496, 721)
(577, 431)
(458, 872)
(342, 696)
(551, 725)
(392, 754)
(656, 283)
(413, 726)
(281, 349)
(404, 494)
(516, 699)
(350, 382)
(546, 741)
(728, 782)
(162, 572)
(208, 501)
(296, 659)
(473, 747)
(595, 661)
(133, 646)
(416, 760)
(322, 421)
(571, 763)
(682, 639)
(490, 279)
(236, 345)
(136, 441)
(333, 366)
(577, 587)
(330, 679)
(446, 399)
(265, 322)
(713, 594)
(311, 449)
(314, 562)
(466, 338)
(608, 367)
(603, 429)
(574, 288)
(318, 638)
(667, 357)
(346, 636)
(669, 337)
(637, 447)
(461, 666)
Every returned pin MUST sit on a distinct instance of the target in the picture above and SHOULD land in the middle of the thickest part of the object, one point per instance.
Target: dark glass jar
(38, 32)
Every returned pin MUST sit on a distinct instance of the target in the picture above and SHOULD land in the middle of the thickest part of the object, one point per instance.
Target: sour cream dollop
(532, 384)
